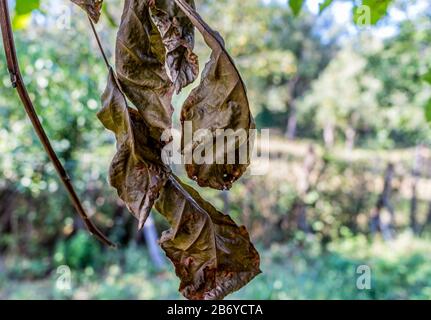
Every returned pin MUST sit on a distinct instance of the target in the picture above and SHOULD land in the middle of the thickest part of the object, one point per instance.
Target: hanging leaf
(26, 6)
(296, 6)
(427, 77)
(428, 111)
(92, 7)
(177, 34)
(371, 11)
(212, 256)
(136, 170)
(218, 104)
(324, 5)
(23, 12)
(140, 58)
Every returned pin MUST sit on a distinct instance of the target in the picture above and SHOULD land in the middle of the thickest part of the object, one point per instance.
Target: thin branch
(18, 83)
(99, 43)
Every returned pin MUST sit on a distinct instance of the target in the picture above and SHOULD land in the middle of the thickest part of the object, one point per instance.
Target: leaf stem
(175, 181)
(99, 43)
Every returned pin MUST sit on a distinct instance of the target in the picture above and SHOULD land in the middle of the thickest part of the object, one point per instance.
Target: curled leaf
(92, 7)
(212, 256)
(140, 58)
(219, 104)
(136, 171)
(296, 6)
(177, 34)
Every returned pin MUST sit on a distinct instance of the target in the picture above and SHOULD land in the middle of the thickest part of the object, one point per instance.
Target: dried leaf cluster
(154, 59)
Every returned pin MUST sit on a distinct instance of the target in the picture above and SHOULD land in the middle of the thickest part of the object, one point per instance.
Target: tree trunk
(328, 135)
(305, 186)
(413, 208)
(376, 223)
(291, 123)
(226, 201)
(417, 163)
(292, 118)
(2, 266)
(428, 218)
(350, 134)
(151, 239)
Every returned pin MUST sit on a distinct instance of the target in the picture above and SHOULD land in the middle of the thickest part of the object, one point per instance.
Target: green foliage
(427, 77)
(23, 11)
(375, 86)
(23, 268)
(373, 89)
(26, 6)
(428, 111)
(399, 270)
(370, 11)
(79, 252)
(324, 5)
(296, 6)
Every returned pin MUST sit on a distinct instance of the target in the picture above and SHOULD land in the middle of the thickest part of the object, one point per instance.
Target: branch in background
(18, 83)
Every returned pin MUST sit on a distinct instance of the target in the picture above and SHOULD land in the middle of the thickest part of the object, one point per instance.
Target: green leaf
(26, 6)
(296, 6)
(370, 12)
(325, 4)
(21, 21)
(427, 77)
(428, 111)
(23, 10)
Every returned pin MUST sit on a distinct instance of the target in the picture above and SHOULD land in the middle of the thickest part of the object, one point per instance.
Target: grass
(399, 270)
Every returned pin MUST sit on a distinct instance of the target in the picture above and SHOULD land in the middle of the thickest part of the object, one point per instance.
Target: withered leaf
(136, 170)
(140, 58)
(217, 104)
(212, 256)
(177, 34)
(92, 7)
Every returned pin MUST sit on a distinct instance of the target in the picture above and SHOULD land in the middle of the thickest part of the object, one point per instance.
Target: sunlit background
(350, 160)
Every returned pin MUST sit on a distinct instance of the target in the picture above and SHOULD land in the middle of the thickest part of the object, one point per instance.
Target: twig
(18, 83)
(99, 43)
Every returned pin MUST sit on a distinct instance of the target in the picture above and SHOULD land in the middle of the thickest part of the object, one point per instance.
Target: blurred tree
(372, 90)
(65, 79)
(344, 97)
(278, 55)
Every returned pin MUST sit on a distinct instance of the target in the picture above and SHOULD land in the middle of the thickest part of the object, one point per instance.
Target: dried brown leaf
(212, 256)
(136, 170)
(140, 58)
(219, 102)
(177, 34)
(92, 7)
